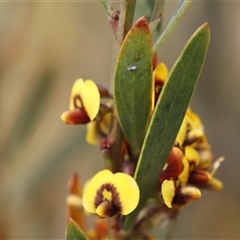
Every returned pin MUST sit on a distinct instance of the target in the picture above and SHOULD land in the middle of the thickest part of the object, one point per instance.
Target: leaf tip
(142, 23)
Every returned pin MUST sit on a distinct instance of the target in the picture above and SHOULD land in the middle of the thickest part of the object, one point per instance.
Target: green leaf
(180, 9)
(133, 83)
(73, 231)
(157, 16)
(158, 9)
(144, 8)
(168, 115)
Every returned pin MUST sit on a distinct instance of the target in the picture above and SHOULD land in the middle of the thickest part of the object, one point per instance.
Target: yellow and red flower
(84, 103)
(108, 194)
(189, 164)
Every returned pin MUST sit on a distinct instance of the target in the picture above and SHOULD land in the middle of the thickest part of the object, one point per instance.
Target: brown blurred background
(44, 47)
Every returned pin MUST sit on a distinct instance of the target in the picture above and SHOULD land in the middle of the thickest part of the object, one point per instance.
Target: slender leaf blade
(73, 231)
(168, 115)
(144, 8)
(180, 10)
(133, 83)
(157, 17)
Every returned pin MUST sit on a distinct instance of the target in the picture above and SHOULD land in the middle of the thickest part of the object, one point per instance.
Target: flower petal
(185, 173)
(75, 92)
(160, 74)
(186, 194)
(192, 156)
(182, 133)
(168, 192)
(193, 120)
(174, 165)
(75, 116)
(128, 191)
(90, 191)
(90, 97)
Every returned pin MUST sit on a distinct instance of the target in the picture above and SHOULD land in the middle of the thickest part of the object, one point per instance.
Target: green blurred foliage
(45, 46)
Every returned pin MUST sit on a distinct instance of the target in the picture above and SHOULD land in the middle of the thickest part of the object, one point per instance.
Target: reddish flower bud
(174, 165)
(199, 177)
(74, 186)
(104, 93)
(75, 116)
(184, 195)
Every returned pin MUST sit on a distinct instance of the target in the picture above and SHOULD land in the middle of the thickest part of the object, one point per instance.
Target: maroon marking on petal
(99, 198)
(109, 209)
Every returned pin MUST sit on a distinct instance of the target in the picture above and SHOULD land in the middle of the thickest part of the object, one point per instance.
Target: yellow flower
(96, 130)
(160, 75)
(84, 103)
(108, 194)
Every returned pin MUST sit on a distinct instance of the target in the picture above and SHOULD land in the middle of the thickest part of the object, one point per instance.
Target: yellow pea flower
(160, 74)
(84, 103)
(108, 194)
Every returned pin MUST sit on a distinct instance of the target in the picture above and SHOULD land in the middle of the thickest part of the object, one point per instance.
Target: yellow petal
(194, 120)
(90, 191)
(92, 136)
(161, 73)
(75, 92)
(185, 173)
(194, 136)
(182, 133)
(90, 97)
(128, 191)
(214, 184)
(97, 129)
(192, 155)
(105, 123)
(168, 192)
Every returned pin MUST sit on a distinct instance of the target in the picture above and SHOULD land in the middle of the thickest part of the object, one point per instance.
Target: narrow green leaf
(158, 9)
(144, 8)
(157, 16)
(128, 9)
(73, 231)
(107, 4)
(126, 18)
(133, 83)
(180, 9)
(168, 115)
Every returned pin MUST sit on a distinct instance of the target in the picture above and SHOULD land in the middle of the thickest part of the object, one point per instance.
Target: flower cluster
(189, 166)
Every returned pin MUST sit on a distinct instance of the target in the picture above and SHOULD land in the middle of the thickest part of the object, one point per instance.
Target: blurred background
(45, 46)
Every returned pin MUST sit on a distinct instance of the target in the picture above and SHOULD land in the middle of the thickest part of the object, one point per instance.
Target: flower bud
(75, 116)
(199, 177)
(186, 194)
(174, 165)
(104, 93)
